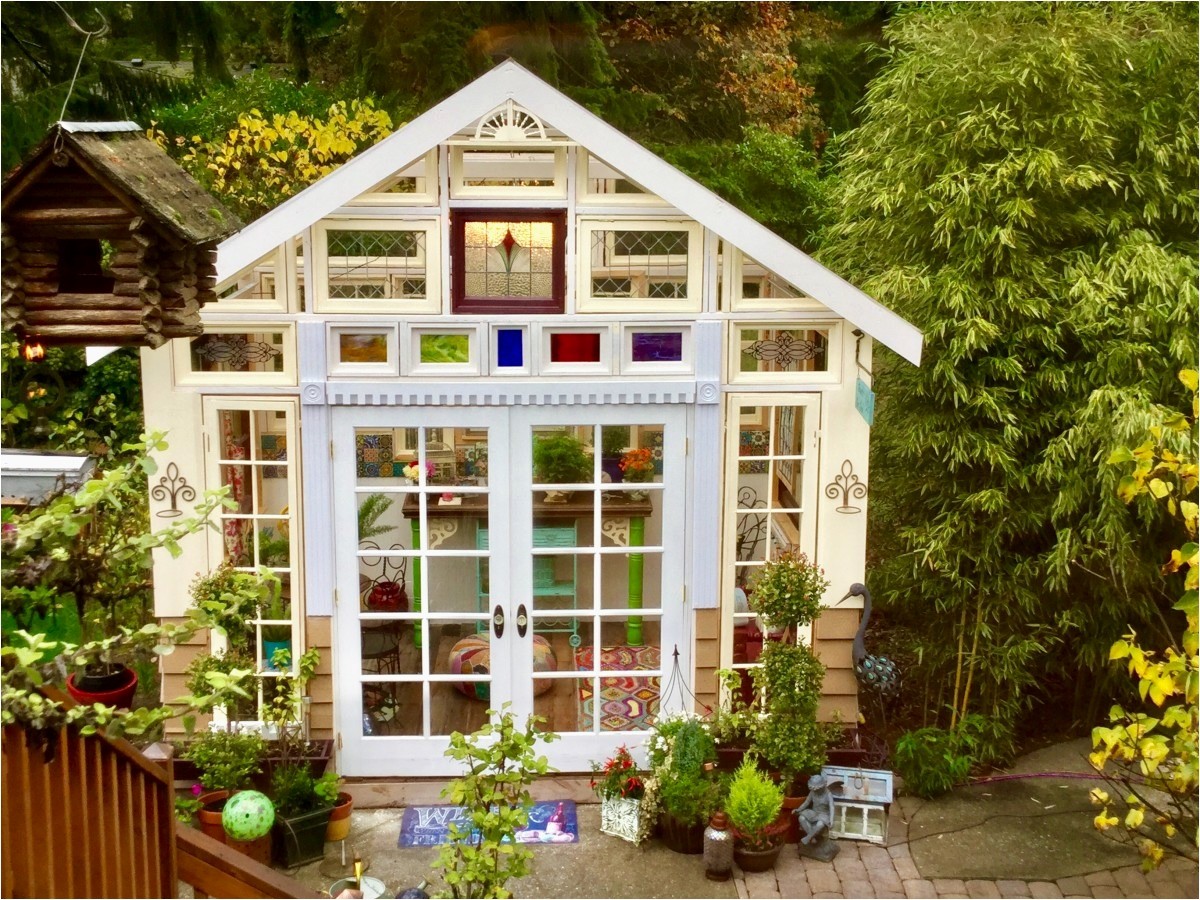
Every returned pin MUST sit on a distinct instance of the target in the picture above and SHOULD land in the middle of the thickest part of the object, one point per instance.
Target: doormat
(627, 703)
(429, 826)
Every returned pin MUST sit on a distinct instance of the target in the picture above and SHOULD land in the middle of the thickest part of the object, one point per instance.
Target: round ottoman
(473, 656)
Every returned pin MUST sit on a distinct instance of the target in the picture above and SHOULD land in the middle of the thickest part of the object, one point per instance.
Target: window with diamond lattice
(642, 266)
(507, 264)
(371, 265)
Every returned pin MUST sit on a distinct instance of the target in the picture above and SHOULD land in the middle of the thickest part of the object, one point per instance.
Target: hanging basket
(621, 817)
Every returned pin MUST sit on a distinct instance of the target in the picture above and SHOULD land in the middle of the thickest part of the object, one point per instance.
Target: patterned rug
(627, 703)
(429, 826)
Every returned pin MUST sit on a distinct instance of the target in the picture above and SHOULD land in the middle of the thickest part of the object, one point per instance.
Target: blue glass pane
(657, 346)
(510, 348)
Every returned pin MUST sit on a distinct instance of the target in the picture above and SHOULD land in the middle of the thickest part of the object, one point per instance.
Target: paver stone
(1044, 890)
(978, 888)
(919, 888)
(1010, 887)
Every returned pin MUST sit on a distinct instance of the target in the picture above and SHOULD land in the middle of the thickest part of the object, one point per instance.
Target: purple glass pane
(510, 348)
(657, 346)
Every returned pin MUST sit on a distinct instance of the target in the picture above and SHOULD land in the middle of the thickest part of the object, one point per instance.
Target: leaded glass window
(507, 264)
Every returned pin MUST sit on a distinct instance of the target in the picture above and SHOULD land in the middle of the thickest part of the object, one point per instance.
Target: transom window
(508, 264)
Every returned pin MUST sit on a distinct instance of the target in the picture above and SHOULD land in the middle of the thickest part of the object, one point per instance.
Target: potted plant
(93, 546)
(787, 592)
(303, 803)
(754, 805)
(637, 466)
(789, 738)
(339, 816)
(614, 439)
(226, 761)
(283, 717)
(276, 637)
(560, 458)
(734, 721)
(620, 786)
(685, 788)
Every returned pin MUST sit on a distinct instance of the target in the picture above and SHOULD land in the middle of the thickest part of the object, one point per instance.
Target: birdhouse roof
(120, 156)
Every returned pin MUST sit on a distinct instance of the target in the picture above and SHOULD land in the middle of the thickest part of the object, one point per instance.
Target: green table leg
(637, 538)
(416, 592)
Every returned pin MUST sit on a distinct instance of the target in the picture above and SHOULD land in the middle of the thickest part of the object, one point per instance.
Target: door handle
(498, 621)
(522, 620)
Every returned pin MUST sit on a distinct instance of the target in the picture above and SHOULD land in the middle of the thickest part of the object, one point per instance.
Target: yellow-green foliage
(1157, 749)
(264, 160)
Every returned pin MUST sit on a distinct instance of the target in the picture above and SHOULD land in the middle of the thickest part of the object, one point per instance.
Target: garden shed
(106, 240)
(517, 410)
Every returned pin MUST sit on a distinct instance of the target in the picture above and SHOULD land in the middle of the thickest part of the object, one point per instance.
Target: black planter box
(300, 839)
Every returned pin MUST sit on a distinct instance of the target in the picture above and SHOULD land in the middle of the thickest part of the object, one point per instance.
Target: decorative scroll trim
(175, 486)
(785, 350)
(849, 486)
(510, 122)
(234, 350)
(441, 529)
(616, 530)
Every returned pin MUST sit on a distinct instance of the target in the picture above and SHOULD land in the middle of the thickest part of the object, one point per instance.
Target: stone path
(867, 870)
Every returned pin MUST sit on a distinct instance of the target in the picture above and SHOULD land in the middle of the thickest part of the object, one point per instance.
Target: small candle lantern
(718, 848)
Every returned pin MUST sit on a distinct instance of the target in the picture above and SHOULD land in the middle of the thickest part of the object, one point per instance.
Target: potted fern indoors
(755, 809)
(560, 458)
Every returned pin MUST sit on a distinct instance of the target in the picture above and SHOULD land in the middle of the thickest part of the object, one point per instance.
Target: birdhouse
(861, 802)
(106, 241)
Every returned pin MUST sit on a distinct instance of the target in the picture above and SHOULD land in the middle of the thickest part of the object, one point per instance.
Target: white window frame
(602, 367)
(284, 300)
(461, 191)
(684, 366)
(290, 406)
(181, 351)
(808, 498)
(428, 197)
(338, 368)
(318, 290)
(474, 363)
(494, 366)
(584, 196)
(733, 281)
(831, 375)
(587, 303)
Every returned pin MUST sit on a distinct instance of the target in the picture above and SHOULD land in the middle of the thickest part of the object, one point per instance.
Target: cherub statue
(816, 816)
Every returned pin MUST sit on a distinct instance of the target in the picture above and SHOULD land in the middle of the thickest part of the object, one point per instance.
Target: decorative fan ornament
(510, 122)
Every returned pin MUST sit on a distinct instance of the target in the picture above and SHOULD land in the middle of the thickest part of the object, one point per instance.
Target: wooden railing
(98, 820)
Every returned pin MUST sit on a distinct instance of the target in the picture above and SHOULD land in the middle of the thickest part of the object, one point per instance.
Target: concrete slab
(1035, 829)
(598, 866)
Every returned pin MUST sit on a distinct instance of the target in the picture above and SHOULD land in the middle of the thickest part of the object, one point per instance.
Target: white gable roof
(510, 80)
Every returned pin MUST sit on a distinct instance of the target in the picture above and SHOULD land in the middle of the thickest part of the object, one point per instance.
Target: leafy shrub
(789, 737)
(932, 760)
(295, 791)
(226, 759)
(690, 796)
(787, 591)
(753, 805)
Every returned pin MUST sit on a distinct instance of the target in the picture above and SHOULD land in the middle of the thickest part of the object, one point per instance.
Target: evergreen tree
(1023, 189)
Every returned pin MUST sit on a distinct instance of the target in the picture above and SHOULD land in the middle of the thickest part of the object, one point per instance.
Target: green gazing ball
(247, 816)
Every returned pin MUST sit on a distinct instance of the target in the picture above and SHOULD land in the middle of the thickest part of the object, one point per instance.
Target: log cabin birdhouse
(107, 241)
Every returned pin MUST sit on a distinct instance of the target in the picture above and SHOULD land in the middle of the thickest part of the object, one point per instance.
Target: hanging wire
(87, 36)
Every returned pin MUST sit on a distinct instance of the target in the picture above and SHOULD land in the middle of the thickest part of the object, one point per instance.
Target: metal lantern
(718, 848)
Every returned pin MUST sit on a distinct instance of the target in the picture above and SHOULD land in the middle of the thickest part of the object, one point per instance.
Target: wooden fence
(98, 820)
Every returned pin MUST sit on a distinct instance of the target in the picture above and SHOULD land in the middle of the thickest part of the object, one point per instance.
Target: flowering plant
(618, 777)
(637, 465)
(413, 470)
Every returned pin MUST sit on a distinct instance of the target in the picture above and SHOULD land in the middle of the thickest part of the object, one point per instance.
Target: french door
(529, 555)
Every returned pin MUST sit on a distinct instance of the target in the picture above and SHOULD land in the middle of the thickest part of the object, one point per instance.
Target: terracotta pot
(110, 690)
(339, 819)
(790, 804)
(680, 836)
(258, 849)
(210, 815)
